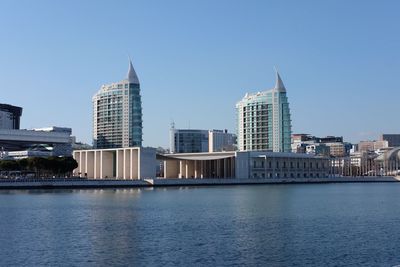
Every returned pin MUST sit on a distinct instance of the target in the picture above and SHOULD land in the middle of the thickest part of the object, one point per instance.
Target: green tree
(9, 165)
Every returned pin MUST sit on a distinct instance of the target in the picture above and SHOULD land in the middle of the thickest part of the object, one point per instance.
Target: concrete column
(233, 175)
(138, 161)
(94, 164)
(225, 167)
(81, 163)
(217, 167)
(101, 164)
(202, 169)
(186, 169)
(86, 164)
(130, 164)
(180, 169)
(195, 169)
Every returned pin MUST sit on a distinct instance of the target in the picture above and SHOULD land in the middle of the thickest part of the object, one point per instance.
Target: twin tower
(263, 118)
(117, 114)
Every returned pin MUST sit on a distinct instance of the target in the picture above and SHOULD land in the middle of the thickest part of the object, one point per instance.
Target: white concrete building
(116, 163)
(244, 165)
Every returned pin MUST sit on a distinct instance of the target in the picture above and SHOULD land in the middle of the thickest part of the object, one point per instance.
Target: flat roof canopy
(196, 156)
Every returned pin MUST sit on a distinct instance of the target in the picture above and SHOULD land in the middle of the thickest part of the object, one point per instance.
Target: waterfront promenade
(59, 183)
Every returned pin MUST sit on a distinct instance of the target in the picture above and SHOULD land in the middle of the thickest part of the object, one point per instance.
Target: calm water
(269, 225)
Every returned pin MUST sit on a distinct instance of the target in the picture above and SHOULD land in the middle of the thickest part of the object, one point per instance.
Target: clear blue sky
(339, 60)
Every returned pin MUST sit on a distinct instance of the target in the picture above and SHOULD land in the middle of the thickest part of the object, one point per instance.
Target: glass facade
(263, 121)
(189, 141)
(117, 115)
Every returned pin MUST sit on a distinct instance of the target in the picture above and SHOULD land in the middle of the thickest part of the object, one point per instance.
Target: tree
(9, 165)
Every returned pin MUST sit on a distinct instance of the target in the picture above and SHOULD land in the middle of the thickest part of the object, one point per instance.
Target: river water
(261, 225)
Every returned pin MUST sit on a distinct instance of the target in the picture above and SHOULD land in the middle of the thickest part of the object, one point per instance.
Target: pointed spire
(279, 84)
(131, 76)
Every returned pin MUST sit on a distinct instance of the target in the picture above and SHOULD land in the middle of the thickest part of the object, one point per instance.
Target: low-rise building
(369, 146)
(244, 165)
(324, 146)
(280, 165)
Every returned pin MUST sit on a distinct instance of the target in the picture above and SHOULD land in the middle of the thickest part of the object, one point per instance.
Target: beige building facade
(119, 163)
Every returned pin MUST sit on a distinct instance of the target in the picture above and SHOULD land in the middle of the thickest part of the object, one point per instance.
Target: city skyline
(202, 66)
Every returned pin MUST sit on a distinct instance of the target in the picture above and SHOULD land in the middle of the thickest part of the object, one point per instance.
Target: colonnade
(198, 169)
(123, 163)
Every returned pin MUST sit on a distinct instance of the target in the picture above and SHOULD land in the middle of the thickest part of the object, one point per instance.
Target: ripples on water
(268, 225)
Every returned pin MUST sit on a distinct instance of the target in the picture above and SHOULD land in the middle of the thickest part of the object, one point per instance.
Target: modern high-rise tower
(263, 120)
(117, 113)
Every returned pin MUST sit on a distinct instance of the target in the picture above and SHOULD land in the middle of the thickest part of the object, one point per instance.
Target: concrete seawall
(81, 183)
(195, 182)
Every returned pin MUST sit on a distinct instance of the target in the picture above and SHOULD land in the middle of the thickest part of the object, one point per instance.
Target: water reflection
(230, 225)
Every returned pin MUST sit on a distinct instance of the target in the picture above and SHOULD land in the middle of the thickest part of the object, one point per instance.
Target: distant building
(188, 140)
(392, 139)
(117, 114)
(195, 140)
(324, 146)
(318, 149)
(366, 146)
(337, 149)
(79, 145)
(263, 120)
(10, 116)
(221, 140)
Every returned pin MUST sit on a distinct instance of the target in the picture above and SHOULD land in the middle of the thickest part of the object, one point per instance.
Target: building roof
(393, 154)
(279, 84)
(197, 156)
(17, 111)
(131, 76)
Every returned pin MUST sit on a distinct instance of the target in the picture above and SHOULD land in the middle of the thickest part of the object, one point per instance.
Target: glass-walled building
(10, 116)
(197, 141)
(263, 120)
(188, 140)
(117, 114)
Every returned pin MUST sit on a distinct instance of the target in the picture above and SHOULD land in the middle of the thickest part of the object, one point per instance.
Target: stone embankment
(112, 183)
